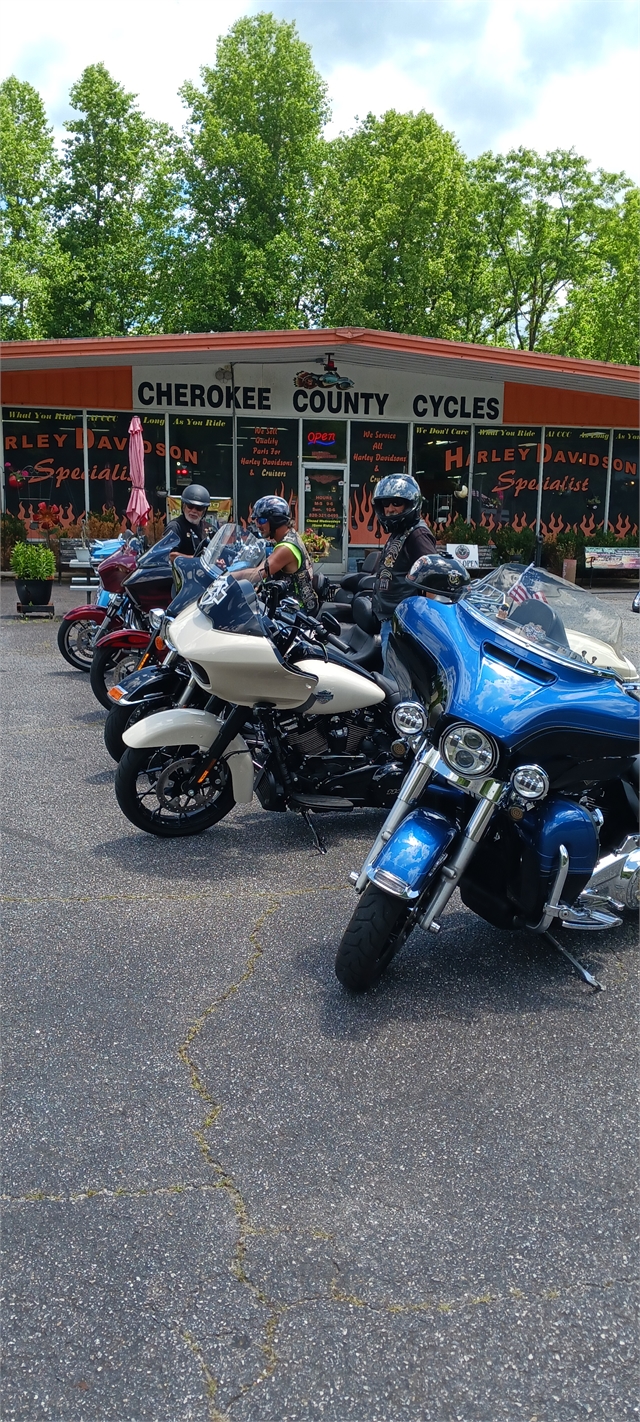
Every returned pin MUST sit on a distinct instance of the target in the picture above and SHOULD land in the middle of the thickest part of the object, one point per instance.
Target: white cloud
(594, 110)
(150, 46)
(545, 73)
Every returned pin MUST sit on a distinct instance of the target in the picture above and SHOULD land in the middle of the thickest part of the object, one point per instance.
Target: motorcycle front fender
(80, 614)
(412, 855)
(181, 726)
(146, 682)
(125, 637)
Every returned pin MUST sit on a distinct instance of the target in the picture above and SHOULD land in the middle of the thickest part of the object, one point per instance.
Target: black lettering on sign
(197, 395)
(215, 396)
(144, 400)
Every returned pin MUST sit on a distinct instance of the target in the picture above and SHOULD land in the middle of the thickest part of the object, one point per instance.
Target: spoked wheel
(122, 716)
(76, 641)
(153, 790)
(108, 666)
(377, 931)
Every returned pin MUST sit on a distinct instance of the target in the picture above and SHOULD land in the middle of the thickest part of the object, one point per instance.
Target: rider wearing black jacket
(397, 503)
(190, 525)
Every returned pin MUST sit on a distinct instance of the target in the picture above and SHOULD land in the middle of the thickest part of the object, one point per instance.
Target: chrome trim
(553, 905)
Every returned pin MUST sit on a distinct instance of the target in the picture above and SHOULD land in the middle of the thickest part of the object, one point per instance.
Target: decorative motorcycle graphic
(330, 379)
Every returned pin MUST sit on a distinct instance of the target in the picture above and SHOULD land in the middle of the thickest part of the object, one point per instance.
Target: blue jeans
(385, 633)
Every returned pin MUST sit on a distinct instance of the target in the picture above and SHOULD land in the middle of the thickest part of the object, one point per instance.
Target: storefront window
(574, 481)
(322, 440)
(623, 503)
(108, 446)
(201, 452)
(441, 467)
(376, 450)
(267, 463)
(44, 462)
(505, 477)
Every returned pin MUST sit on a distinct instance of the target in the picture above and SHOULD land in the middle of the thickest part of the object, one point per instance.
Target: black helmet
(273, 508)
(197, 495)
(398, 486)
(439, 573)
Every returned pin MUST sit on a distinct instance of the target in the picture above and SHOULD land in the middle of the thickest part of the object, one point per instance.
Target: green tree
(397, 243)
(252, 153)
(29, 253)
(601, 317)
(540, 216)
(115, 204)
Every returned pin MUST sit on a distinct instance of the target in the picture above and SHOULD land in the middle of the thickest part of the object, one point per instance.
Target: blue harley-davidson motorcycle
(523, 793)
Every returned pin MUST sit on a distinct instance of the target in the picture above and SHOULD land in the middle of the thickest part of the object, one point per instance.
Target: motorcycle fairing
(240, 669)
(413, 854)
(534, 697)
(181, 726)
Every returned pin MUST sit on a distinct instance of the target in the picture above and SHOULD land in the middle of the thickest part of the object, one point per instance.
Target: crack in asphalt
(224, 1179)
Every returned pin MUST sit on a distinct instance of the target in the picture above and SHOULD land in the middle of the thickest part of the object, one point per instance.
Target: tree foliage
(29, 253)
(251, 157)
(252, 219)
(113, 204)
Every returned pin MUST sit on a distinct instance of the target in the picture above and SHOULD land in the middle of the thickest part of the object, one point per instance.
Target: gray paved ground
(234, 1191)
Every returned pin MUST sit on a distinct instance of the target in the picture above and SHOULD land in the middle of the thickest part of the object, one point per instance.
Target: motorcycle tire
(108, 666)
(122, 716)
(76, 640)
(136, 780)
(374, 935)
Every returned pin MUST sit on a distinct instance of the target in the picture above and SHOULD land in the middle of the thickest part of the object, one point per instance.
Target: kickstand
(582, 972)
(317, 839)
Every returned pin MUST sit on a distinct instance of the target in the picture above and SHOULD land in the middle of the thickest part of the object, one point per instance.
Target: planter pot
(569, 566)
(36, 591)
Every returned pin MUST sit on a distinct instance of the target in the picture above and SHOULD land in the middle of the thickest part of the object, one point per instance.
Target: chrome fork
(410, 791)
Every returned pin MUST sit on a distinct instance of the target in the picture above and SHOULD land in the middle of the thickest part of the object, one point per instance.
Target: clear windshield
(233, 546)
(532, 606)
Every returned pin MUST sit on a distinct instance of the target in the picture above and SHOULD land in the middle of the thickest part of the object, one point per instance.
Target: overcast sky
(546, 73)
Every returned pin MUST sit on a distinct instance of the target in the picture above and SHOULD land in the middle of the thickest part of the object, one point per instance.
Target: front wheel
(154, 791)
(377, 931)
(76, 640)
(108, 666)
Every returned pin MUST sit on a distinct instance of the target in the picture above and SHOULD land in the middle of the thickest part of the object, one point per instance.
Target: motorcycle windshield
(534, 608)
(235, 546)
(232, 606)
(159, 553)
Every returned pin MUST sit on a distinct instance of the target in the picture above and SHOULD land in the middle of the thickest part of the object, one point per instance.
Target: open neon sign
(323, 437)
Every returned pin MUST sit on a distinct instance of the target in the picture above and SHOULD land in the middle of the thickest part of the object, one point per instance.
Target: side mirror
(331, 623)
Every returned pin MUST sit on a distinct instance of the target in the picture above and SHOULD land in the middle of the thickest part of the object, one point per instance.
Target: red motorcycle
(122, 649)
(80, 628)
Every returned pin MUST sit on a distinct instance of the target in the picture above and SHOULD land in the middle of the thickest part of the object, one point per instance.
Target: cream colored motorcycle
(288, 716)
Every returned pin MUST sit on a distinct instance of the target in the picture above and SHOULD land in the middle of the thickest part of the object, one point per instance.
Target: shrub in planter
(34, 567)
(513, 546)
(316, 545)
(459, 531)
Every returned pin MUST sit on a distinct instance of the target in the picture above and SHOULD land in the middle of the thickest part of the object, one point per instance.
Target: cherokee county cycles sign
(316, 388)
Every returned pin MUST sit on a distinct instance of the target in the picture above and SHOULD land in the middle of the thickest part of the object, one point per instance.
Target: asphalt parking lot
(232, 1191)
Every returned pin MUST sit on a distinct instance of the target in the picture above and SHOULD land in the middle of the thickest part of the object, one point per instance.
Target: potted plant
(34, 567)
(316, 545)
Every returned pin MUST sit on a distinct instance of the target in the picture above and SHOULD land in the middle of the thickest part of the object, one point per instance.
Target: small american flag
(524, 589)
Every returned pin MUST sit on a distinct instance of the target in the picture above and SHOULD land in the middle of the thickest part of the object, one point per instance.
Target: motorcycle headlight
(469, 751)
(409, 718)
(530, 782)
(155, 618)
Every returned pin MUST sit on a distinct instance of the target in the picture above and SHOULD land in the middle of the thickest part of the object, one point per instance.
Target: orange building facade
(496, 436)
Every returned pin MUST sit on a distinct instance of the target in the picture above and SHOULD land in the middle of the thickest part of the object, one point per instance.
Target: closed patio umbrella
(138, 507)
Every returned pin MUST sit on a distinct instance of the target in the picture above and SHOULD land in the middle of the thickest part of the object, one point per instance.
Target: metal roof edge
(131, 347)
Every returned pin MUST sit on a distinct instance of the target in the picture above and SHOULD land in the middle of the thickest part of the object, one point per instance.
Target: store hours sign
(316, 388)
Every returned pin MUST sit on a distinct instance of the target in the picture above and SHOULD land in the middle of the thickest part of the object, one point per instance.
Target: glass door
(325, 514)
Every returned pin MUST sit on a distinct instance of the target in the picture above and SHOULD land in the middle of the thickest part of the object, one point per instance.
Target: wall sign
(316, 389)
